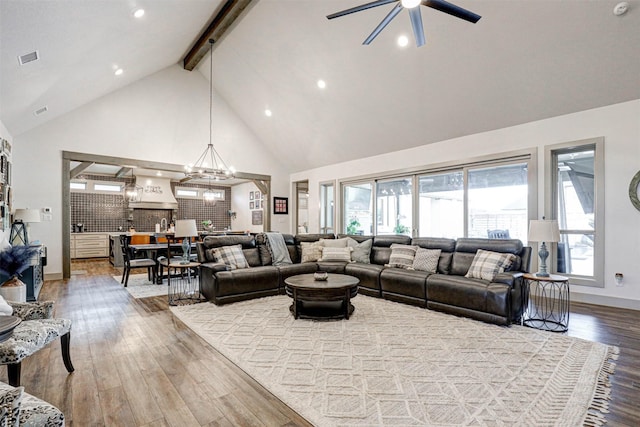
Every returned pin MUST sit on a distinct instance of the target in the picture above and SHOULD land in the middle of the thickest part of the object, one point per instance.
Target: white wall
(163, 117)
(620, 126)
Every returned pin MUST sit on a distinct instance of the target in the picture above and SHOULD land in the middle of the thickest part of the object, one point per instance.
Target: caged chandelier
(210, 165)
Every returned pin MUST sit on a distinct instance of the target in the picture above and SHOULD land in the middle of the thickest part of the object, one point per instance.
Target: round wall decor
(633, 190)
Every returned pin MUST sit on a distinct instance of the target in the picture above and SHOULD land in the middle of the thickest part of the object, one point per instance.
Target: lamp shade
(186, 228)
(543, 230)
(27, 215)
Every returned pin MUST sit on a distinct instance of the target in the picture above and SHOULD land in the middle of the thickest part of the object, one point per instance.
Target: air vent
(28, 57)
(41, 110)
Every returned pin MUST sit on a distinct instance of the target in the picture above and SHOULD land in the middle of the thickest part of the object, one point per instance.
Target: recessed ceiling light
(403, 41)
(268, 113)
(158, 173)
(139, 13)
(322, 84)
(119, 72)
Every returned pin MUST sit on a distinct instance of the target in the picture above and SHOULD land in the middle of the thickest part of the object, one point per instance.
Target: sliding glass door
(441, 205)
(358, 209)
(394, 206)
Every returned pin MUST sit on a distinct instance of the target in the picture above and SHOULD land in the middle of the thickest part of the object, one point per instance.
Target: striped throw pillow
(402, 256)
(311, 252)
(232, 256)
(486, 264)
(336, 254)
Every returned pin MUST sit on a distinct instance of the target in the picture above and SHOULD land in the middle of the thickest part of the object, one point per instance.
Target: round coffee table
(321, 299)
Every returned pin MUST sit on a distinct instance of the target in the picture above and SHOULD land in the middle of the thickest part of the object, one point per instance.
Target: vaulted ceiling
(524, 60)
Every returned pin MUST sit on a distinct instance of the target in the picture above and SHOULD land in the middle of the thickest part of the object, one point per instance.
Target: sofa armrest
(32, 310)
(215, 266)
(508, 277)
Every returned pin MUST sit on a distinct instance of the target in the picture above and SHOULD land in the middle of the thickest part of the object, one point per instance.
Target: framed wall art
(250, 195)
(281, 206)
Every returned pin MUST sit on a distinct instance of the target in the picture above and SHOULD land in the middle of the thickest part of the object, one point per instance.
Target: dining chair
(130, 262)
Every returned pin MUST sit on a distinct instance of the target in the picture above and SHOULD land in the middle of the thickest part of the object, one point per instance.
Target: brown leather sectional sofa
(448, 290)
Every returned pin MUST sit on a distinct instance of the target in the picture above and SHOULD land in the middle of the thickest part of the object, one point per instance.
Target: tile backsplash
(110, 212)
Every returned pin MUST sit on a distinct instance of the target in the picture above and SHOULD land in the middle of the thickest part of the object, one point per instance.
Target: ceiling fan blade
(452, 9)
(360, 8)
(416, 23)
(394, 12)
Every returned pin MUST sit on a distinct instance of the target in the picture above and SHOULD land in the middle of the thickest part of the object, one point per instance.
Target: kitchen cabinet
(89, 245)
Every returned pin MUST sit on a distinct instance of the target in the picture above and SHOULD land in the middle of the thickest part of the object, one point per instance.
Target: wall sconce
(232, 214)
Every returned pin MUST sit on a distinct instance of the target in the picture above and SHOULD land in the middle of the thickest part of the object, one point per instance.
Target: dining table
(157, 250)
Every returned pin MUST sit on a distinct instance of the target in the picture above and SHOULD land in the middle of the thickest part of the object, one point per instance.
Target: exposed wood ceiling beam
(123, 171)
(79, 169)
(221, 23)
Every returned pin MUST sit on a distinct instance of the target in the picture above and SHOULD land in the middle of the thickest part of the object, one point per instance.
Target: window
(183, 192)
(327, 208)
(441, 205)
(78, 185)
(394, 206)
(576, 180)
(358, 208)
(498, 200)
(113, 188)
(212, 194)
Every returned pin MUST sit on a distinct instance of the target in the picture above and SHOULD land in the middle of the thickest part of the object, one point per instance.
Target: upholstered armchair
(24, 410)
(37, 329)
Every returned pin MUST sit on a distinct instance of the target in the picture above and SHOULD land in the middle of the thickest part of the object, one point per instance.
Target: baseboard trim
(629, 304)
(53, 276)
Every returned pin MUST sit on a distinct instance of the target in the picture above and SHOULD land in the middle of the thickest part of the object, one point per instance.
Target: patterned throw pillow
(311, 251)
(402, 256)
(426, 260)
(231, 256)
(336, 254)
(486, 264)
(361, 251)
(10, 407)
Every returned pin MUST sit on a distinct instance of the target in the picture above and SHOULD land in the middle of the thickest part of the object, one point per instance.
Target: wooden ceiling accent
(225, 17)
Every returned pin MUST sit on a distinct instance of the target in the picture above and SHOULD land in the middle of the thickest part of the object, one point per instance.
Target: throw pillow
(311, 251)
(231, 256)
(336, 254)
(402, 256)
(426, 260)
(334, 243)
(486, 264)
(10, 407)
(361, 251)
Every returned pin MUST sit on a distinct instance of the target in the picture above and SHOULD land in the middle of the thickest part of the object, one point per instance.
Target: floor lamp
(20, 227)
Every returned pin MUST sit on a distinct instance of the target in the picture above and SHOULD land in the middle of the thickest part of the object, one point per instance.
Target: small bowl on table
(320, 276)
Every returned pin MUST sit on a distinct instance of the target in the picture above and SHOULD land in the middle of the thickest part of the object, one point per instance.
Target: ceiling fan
(414, 12)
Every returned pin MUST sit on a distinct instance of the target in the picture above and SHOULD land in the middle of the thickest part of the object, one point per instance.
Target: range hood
(155, 193)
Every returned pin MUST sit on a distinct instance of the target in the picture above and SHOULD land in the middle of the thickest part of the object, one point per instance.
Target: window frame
(551, 205)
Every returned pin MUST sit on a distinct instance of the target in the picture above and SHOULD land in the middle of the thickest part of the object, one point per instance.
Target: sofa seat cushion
(36, 412)
(369, 275)
(474, 294)
(332, 266)
(30, 336)
(404, 282)
(246, 280)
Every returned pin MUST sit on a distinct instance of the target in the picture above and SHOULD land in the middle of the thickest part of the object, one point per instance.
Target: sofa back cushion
(381, 249)
(447, 248)
(248, 244)
(466, 249)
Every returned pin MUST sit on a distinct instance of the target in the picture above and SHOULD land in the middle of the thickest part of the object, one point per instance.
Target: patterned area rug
(393, 364)
(140, 286)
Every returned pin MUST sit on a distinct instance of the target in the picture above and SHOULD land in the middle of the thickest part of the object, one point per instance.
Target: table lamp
(186, 228)
(542, 230)
(19, 229)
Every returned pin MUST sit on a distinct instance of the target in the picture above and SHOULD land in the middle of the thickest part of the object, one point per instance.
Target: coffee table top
(334, 281)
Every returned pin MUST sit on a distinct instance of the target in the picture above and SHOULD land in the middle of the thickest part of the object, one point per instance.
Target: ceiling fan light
(410, 4)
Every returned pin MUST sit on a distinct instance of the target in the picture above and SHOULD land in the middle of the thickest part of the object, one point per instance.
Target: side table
(546, 300)
(183, 285)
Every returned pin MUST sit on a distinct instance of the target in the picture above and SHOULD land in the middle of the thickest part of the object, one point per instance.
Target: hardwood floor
(138, 366)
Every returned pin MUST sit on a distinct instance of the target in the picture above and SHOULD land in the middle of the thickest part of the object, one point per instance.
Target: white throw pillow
(361, 251)
(334, 243)
(486, 264)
